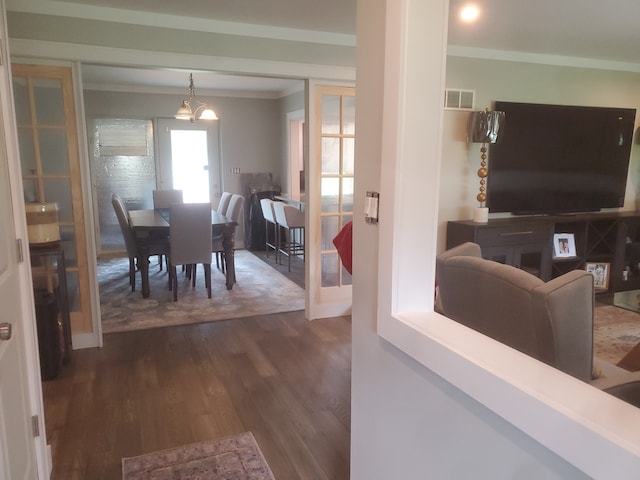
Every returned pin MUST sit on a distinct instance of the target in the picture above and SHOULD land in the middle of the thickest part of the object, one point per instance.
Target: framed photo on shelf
(564, 245)
(600, 272)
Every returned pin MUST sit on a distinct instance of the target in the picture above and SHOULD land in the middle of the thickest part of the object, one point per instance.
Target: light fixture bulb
(208, 114)
(184, 112)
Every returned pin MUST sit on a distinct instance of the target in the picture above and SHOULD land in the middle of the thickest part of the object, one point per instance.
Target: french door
(331, 120)
(51, 172)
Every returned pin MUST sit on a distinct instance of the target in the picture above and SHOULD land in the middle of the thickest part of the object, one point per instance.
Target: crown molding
(544, 59)
(92, 54)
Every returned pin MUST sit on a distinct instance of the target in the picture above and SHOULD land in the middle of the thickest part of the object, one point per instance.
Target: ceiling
(335, 16)
(97, 77)
(591, 29)
(606, 32)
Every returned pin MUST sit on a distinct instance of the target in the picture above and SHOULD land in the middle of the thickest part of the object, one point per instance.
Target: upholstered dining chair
(270, 226)
(165, 198)
(122, 214)
(189, 241)
(223, 204)
(233, 213)
(291, 220)
(162, 200)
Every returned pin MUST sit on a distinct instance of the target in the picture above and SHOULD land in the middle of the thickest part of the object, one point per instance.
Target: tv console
(611, 239)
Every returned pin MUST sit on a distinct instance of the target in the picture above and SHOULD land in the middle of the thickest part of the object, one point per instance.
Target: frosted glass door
(48, 139)
(330, 197)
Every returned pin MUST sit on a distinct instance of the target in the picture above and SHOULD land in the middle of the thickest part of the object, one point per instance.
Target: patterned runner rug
(259, 290)
(232, 458)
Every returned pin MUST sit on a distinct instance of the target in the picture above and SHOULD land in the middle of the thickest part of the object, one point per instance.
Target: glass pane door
(49, 156)
(336, 186)
(329, 194)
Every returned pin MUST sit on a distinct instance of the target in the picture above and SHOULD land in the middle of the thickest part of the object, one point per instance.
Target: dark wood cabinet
(527, 243)
(523, 243)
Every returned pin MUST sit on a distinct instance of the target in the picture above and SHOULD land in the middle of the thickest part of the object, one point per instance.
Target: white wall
(250, 129)
(407, 423)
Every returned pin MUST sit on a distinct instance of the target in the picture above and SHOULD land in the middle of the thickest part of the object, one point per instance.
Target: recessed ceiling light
(469, 13)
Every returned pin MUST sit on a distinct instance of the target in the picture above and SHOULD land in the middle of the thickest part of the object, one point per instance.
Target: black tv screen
(559, 159)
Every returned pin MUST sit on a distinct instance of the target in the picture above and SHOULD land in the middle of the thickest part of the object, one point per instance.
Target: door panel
(50, 159)
(330, 197)
(18, 452)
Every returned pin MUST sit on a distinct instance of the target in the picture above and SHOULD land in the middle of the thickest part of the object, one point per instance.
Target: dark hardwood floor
(279, 376)
(296, 274)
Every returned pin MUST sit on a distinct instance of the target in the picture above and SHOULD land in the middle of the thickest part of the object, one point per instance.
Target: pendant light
(203, 110)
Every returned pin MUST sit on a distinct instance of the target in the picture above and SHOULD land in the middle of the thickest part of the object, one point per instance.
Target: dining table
(151, 226)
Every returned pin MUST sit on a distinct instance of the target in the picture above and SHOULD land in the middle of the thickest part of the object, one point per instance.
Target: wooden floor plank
(279, 376)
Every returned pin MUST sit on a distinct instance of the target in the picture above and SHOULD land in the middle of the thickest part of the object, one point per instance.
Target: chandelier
(203, 111)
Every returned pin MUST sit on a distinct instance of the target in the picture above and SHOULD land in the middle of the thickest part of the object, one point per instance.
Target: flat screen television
(554, 159)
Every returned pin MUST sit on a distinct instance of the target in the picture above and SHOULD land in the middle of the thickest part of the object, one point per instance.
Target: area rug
(616, 331)
(259, 290)
(232, 458)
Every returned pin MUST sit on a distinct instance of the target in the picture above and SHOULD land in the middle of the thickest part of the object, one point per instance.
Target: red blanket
(343, 242)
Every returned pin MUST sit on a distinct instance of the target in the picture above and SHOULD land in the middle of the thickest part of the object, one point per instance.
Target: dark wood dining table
(152, 226)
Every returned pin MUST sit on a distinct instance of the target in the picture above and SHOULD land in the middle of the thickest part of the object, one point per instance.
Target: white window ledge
(548, 405)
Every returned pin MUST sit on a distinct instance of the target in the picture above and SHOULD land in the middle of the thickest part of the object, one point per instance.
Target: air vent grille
(457, 99)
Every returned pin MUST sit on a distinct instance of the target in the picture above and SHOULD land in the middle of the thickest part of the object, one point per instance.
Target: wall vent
(457, 99)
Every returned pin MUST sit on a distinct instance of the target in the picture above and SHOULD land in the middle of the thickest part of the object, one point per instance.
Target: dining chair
(223, 205)
(233, 213)
(158, 248)
(270, 227)
(162, 200)
(165, 198)
(291, 220)
(190, 241)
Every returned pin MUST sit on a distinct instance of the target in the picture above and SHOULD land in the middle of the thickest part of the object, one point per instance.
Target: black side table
(54, 249)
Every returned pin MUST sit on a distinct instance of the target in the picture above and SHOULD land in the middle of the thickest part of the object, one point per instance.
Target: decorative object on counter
(564, 245)
(600, 272)
(484, 127)
(42, 223)
(203, 110)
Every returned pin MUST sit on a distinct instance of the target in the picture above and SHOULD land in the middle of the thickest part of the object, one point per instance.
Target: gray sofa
(550, 321)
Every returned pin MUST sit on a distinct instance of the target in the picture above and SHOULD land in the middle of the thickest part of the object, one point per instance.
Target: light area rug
(259, 290)
(232, 458)
(615, 332)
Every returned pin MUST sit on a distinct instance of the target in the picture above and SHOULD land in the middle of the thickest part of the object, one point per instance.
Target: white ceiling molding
(544, 59)
(147, 59)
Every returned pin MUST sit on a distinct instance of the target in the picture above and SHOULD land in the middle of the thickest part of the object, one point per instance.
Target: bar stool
(266, 204)
(292, 221)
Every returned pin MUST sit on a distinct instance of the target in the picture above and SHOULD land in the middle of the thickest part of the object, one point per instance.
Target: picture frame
(564, 245)
(600, 272)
